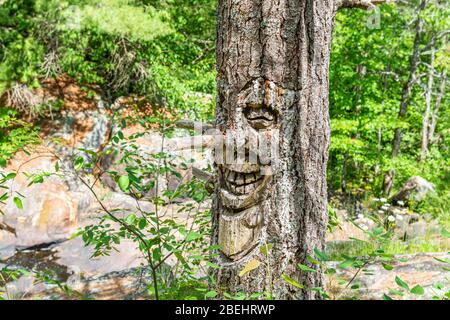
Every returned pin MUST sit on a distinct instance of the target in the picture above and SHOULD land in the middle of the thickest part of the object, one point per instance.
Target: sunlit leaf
(18, 202)
(401, 283)
(124, 183)
(251, 265)
(292, 281)
(418, 290)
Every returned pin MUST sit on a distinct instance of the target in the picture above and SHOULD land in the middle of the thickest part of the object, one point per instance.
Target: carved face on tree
(246, 167)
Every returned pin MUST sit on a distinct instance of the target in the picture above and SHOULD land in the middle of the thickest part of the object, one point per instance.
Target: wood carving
(248, 163)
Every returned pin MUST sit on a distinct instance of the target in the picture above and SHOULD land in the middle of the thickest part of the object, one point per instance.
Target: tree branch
(361, 4)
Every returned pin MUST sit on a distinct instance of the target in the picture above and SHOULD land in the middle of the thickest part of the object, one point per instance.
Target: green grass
(429, 243)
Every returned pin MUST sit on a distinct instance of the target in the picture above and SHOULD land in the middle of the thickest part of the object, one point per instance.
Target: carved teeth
(244, 168)
(240, 179)
(231, 199)
(240, 182)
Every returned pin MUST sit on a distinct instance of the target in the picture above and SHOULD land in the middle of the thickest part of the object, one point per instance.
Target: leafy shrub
(15, 134)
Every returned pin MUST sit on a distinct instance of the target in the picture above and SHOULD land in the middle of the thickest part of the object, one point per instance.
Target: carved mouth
(241, 183)
(260, 117)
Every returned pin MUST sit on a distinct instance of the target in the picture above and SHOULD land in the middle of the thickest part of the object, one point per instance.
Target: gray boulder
(416, 188)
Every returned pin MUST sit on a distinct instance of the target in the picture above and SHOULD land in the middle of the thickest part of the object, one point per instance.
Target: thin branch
(361, 4)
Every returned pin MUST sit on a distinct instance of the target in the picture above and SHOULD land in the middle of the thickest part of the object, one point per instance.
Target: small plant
(158, 233)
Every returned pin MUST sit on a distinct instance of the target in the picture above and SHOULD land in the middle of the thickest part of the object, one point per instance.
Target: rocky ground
(40, 235)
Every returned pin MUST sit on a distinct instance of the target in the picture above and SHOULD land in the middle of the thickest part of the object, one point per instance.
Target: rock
(78, 260)
(416, 188)
(418, 269)
(410, 226)
(130, 284)
(50, 210)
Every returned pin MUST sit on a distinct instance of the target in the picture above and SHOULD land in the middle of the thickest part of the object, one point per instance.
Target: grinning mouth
(242, 182)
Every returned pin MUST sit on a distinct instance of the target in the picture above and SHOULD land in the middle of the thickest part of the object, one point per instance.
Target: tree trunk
(272, 84)
(437, 105)
(407, 89)
(388, 180)
(428, 98)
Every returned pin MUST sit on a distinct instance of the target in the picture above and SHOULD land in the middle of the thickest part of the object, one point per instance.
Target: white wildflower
(360, 216)
(401, 203)
(391, 218)
(383, 199)
(380, 211)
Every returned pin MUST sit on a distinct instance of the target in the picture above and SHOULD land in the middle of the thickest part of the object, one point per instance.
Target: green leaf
(418, 290)
(345, 264)
(355, 286)
(193, 236)
(10, 176)
(445, 233)
(142, 223)
(212, 265)
(292, 281)
(330, 271)
(130, 219)
(447, 294)
(315, 261)
(265, 248)
(211, 294)
(306, 268)
(79, 163)
(251, 265)
(18, 202)
(401, 283)
(386, 297)
(4, 197)
(320, 255)
(444, 260)
(387, 266)
(124, 183)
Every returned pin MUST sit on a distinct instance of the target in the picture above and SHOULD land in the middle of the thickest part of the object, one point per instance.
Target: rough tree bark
(272, 62)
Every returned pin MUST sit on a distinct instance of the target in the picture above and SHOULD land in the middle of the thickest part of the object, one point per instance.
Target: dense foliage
(370, 67)
(164, 51)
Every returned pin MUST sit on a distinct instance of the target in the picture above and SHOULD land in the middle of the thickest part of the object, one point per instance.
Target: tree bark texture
(270, 214)
(272, 63)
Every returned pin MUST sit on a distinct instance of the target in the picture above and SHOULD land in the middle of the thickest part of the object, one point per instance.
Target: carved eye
(260, 117)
